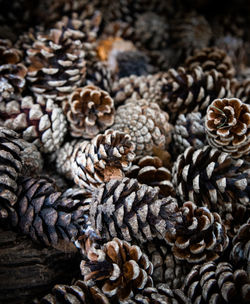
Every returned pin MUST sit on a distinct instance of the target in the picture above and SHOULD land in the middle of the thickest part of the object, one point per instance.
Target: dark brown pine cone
(146, 123)
(189, 131)
(212, 58)
(213, 179)
(132, 211)
(56, 64)
(106, 157)
(119, 270)
(89, 111)
(45, 215)
(227, 126)
(243, 91)
(38, 120)
(218, 284)
(200, 236)
(149, 170)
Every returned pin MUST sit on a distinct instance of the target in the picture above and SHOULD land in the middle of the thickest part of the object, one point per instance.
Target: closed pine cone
(38, 120)
(146, 123)
(56, 64)
(149, 170)
(200, 236)
(217, 283)
(120, 270)
(89, 111)
(228, 126)
(107, 156)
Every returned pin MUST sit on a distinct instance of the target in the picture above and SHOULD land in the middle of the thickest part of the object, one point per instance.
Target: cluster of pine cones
(125, 129)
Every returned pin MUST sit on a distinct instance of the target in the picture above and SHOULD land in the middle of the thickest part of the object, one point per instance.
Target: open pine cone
(89, 111)
(227, 126)
(243, 91)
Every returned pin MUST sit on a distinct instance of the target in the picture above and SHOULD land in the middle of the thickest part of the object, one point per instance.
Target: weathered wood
(28, 270)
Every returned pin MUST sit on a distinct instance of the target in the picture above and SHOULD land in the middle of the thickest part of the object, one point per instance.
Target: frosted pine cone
(146, 123)
(119, 271)
(89, 111)
(200, 237)
(38, 121)
(228, 126)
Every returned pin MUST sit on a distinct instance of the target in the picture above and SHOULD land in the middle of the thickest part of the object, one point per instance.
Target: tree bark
(29, 270)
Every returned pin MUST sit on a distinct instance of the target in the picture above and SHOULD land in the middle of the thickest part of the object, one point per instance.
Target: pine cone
(228, 126)
(200, 236)
(89, 111)
(106, 157)
(56, 64)
(119, 271)
(212, 58)
(149, 170)
(131, 211)
(211, 283)
(213, 179)
(243, 91)
(146, 123)
(189, 131)
(38, 121)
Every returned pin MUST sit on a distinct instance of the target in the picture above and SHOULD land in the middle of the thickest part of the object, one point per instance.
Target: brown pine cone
(189, 131)
(149, 170)
(56, 64)
(38, 120)
(243, 91)
(89, 111)
(106, 157)
(200, 236)
(119, 270)
(146, 123)
(210, 58)
(213, 179)
(217, 283)
(131, 211)
(227, 126)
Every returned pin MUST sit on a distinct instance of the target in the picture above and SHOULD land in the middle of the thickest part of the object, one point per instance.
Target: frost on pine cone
(200, 236)
(89, 111)
(120, 270)
(39, 121)
(217, 283)
(56, 64)
(146, 123)
(228, 126)
(107, 156)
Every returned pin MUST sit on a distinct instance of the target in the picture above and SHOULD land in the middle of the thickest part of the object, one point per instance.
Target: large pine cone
(38, 121)
(211, 283)
(213, 179)
(89, 111)
(200, 236)
(228, 126)
(146, 123)
(120, 270)
(56, 64)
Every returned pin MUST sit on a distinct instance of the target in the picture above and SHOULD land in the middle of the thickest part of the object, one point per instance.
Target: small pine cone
(107, 156)
(12, 71)
(131, 211)
(213, 179)
(227, 126)
(38, 121)
(149, 170)
(79, 293)
(56, 64)
(243, 91)
(119, 271)
(200, 237)
(212, 58)
(89, 111)
(217, 283)
(45, 215)
(146, 123)
(189, 131)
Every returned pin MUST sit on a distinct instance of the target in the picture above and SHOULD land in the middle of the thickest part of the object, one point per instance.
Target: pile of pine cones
(125, 129)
